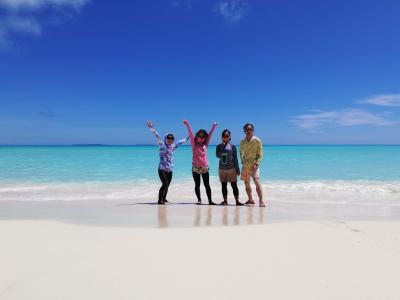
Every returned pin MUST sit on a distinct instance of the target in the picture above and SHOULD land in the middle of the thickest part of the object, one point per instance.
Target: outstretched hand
(149, 124)
(185, 122)
(215, 124)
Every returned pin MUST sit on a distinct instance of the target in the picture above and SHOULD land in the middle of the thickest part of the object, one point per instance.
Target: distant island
(89, 145)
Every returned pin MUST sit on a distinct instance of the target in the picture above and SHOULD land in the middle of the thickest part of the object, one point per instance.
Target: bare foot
(249, 202)
(262, 204)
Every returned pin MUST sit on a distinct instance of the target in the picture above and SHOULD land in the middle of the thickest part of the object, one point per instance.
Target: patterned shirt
(166, 151)
(251, 152)
(200, 151)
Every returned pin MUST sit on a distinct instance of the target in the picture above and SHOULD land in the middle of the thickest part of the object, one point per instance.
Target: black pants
(225, 190)
(166, 178)
(206, 181)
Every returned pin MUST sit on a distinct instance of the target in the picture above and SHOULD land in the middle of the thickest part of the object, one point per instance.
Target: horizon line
(187, 145)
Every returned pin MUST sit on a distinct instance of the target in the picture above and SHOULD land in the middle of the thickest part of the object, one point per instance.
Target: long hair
(203, 133)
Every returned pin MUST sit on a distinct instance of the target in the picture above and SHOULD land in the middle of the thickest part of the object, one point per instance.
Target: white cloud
(21, 16)
(40, 4)
(233, 11)
(344, 117)
(27, 25)
(383, 100)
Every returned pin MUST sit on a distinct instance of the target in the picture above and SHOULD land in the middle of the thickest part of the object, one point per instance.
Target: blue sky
(304, 72)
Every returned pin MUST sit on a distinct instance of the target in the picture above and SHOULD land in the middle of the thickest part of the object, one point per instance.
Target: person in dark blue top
(228, 167)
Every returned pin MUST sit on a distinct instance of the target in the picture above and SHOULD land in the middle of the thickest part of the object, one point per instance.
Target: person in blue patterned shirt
(167, 148)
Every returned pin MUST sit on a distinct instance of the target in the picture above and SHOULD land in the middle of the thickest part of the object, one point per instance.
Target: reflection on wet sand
(236, 220)
(260, 215)
(225, 216)
(209, 216)
(162, 216)
(217, 215)
(197, 216)
(249, 216)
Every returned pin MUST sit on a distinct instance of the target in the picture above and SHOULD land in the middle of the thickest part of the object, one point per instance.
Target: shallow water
(118, 185)
(44, 164)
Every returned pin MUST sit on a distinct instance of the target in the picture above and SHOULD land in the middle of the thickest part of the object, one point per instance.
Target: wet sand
(144, 213)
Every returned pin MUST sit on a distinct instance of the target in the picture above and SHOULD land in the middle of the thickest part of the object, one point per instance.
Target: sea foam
(346, 191)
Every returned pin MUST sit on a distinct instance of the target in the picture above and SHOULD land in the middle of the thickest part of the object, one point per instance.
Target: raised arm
(180, 142)
(150, 125)
(214, 125)
(191, 136)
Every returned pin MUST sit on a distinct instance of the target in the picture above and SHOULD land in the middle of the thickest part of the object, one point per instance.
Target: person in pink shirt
(200, 168)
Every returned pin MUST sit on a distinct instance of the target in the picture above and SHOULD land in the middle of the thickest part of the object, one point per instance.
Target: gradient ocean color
(139, 163)
(97, 172)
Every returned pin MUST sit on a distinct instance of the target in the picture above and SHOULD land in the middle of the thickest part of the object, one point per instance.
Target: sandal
(249, 202)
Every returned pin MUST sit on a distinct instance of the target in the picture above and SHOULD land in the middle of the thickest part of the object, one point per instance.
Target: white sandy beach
(288, 260)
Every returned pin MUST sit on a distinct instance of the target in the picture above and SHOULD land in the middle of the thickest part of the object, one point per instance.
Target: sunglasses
(201, 136)
(248, 129)
(170, 138)
(226, 136)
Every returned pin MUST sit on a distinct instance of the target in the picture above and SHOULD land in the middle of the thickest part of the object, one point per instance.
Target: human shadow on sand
(172, 203)
(155, 203)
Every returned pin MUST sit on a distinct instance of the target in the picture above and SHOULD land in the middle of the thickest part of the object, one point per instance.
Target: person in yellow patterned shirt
(251, 154)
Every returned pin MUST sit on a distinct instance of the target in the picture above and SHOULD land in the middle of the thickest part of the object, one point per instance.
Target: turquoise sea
(139, 163)
(64, 172)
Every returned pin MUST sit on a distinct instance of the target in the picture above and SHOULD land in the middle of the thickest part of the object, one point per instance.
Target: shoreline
(186, 214)
(181, 189)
